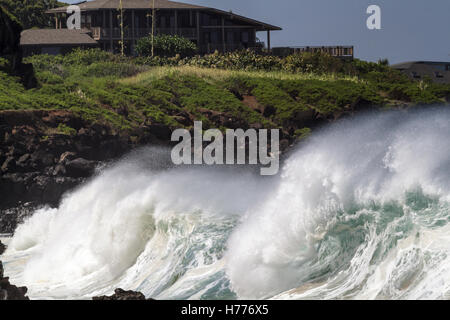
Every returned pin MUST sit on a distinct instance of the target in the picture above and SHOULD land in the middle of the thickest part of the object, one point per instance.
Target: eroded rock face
(39, 163)
(9, 291)
(45, 153)
(120, 294)
(10, 218)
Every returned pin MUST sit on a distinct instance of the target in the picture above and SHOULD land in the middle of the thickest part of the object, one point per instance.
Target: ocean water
(359, 211)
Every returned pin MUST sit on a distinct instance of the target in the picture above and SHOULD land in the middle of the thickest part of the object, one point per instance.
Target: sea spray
(361, 210)
(134, 224)
(344, 201)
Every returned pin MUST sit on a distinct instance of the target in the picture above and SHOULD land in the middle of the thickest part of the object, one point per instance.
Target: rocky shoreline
(9, 291)
(39, 162)
(120, 294)
(44, 154)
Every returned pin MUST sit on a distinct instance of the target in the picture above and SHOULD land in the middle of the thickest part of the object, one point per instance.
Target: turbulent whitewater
(361, 210)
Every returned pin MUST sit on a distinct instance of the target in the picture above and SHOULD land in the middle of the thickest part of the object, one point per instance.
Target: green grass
(209, 74)
(126, 93)
(66, 130)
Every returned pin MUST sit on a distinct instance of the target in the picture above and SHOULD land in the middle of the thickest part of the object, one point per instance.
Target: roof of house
(409, 64)
(159, 4)
(128, 4)
(436, 71)
(56, 37)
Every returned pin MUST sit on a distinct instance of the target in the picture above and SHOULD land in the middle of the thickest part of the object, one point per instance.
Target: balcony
(344, 52)
(99, 33)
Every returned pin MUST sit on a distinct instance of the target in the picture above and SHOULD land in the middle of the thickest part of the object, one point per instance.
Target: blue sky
(411, 29)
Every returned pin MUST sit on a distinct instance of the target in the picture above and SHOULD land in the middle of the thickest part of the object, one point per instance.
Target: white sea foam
(360, 211)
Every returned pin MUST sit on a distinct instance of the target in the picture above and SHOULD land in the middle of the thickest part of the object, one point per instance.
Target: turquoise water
(360, 211)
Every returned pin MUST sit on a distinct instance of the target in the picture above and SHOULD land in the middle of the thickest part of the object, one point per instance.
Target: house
(51, 41)
(438, 72)
(211, 29)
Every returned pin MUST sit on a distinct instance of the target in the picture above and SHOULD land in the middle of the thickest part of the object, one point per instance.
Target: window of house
(205, 19)
(415, 75)
(245, 37)
(184, 20)
(99, 20)
(214, 37)
(230, 37)
(438, 74)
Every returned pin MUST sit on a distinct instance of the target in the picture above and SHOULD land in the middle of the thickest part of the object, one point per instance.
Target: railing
(96, 33)
(335, 51)
(99, 33)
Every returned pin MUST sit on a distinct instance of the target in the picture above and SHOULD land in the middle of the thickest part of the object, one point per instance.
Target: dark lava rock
(2, 248)
(121, 294)
(80, 168)
(10, 218)
(8, 165)
(9, 291)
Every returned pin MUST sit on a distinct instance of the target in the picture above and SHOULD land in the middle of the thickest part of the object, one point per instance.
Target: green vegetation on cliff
(31, 13)
(293, 93)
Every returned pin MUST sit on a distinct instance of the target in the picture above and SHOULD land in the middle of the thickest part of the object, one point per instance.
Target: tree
(10, 52)
(31, 13)
(10, 30)
(122, 44)
(153, 27)
(166, 46)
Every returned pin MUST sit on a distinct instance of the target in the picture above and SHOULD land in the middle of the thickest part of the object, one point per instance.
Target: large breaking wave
(361, 210)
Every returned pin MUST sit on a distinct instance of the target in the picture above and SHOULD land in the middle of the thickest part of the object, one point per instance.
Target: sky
(410, 29)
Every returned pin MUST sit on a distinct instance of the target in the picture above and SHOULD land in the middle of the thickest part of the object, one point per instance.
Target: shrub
(86, 57)
(111, 69)
(237, 60)
(313, 62)
(302, 134)
(418, 93)
(47, 77)
(66, 130)
(4, 64)
(156, 61)
(166, 46)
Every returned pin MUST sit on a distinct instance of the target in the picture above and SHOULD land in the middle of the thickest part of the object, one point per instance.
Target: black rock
(80, 168)
(9, 164)
(59, 170)
(10, 218)
(120, 294)
(9, 291)
(2, 249)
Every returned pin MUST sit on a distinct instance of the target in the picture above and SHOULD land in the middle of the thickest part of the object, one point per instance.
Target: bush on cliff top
(166, 46)
(86, 82)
